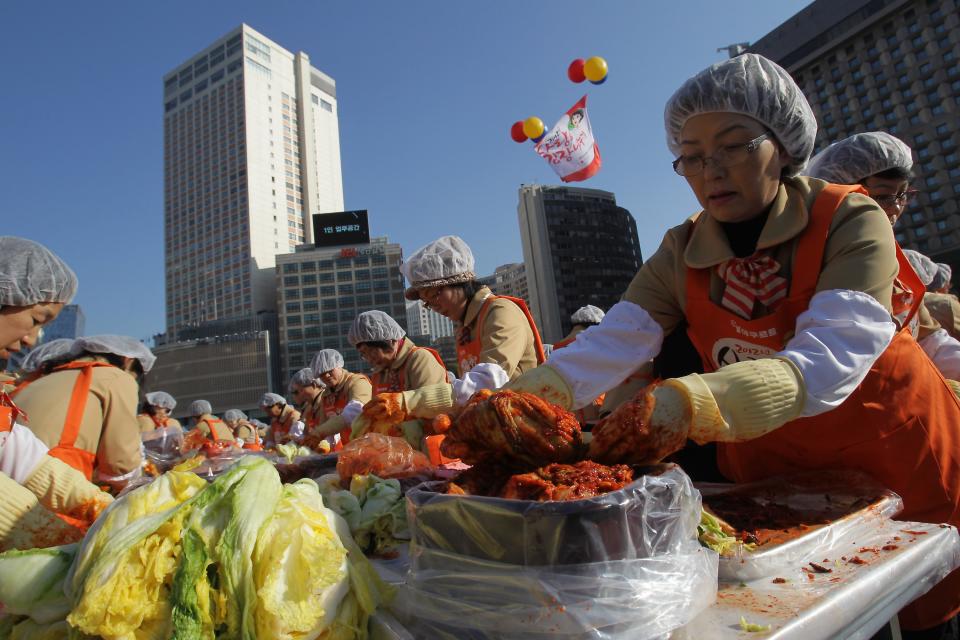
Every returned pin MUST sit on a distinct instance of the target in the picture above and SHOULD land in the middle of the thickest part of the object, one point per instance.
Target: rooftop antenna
(734, 50)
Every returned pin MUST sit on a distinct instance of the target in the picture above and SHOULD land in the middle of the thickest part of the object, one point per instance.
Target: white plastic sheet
(622, 565)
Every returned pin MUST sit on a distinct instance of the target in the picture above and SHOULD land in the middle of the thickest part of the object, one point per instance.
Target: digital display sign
(344, 227)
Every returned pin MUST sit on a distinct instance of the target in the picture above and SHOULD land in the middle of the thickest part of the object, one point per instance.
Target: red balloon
(575, 71)
(516, 132)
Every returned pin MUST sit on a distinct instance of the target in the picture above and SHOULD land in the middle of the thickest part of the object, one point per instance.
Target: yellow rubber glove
(742, 401)
(429, 401)
(955, 386)
(64, 490)
(545, 383)
(25, 524)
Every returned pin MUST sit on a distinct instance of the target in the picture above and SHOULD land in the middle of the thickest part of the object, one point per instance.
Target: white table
(854, 601)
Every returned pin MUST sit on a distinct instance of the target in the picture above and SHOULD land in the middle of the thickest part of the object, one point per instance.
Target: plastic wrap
(383, 456)
(854, 503)
(623, 565)
(162, 446)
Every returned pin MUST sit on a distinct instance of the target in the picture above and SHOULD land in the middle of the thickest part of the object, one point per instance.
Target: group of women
(814, 345)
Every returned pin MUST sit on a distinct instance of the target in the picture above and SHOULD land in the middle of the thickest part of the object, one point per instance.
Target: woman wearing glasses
(883, 165)
(497, 339)
(785, 286)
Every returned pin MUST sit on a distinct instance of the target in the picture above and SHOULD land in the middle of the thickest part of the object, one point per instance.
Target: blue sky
(427, 92)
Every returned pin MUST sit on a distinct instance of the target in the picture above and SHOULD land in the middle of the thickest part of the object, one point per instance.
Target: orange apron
(79, 459)
(333, 405)
(904, 294)
(396, 383)
(256, 445)
(898, 426)
(469, 347)
(9, 412)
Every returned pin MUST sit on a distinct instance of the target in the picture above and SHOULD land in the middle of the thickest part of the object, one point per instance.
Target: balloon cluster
(532, 128)
(593, 69)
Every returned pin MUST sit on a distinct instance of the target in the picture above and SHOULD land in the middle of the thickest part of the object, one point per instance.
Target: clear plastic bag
(623, 565)
(855, 505)
(383, 456)
(162, 446)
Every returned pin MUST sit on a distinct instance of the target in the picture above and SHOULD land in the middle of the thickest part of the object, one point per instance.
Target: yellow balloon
(533, 127)
(595, 69)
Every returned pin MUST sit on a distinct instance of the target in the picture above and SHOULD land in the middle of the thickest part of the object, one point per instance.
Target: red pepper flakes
(867, 550)
(819, 568)
(890, 547)
(779, 581)
(856, 560)
(913, 533)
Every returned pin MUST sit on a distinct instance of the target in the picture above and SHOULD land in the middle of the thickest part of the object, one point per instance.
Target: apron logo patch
(730, 350)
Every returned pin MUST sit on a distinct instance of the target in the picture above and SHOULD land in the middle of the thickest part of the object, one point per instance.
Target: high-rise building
(427, 322)
(321, 290)
(251, 151)
(69, 323)
(579, 248)
(887, 65)
(509, 280)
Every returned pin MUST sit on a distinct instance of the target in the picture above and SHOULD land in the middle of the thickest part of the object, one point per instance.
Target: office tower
(321, 290)
(509, 280)
(579, 248)
(251, 151)
(427, 322)
(894, 66)
(69, 323)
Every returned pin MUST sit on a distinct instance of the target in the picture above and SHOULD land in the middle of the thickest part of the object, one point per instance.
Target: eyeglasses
(728, 156)
(896, 199)
(429, 296)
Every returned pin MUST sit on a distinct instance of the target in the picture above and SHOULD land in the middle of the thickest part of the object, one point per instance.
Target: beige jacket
(353, 386)
(147, 424)
(945, 309)
(859, 254)
(506, 339)
(416, 367)
(109, 428)
(212, 427)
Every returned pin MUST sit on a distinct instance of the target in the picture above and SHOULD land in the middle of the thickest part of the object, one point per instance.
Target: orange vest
(899, 425)
(256, 445)
(9, 412)
(159, 423)
(280, 429)
(333, 405)
(469, 347)
(905, 294)
(79, 459)
(398, 382)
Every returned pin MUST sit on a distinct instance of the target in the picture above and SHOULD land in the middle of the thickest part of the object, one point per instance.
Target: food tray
(850, 503)
(648, 517)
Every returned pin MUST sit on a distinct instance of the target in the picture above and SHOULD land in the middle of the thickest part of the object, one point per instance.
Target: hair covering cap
(754, 86)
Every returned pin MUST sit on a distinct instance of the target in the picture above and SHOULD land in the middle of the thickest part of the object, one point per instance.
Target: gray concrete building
(887, 65)
(579, 248)
(509, 280)
(321, 290)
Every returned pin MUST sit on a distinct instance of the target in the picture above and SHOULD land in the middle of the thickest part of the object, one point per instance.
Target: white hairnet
(270, 399)
(123, 346)
(588, 313)
(445, 261)
(860, 156)
(31, 273)
(326, 360)
(234, 414)
(753, 86)
(61, 348)
(304, 378)
(374, 326)
(943, 278)
(924, 266)
(200, 407)
(161, 399)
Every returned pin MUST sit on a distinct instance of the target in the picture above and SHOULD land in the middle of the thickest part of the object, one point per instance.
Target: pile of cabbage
(244, 557)
(374, 509)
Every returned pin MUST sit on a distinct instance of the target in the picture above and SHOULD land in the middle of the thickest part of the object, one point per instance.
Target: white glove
(485, 375)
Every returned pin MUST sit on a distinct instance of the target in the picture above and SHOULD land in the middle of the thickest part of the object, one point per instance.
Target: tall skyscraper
(423, 322)
(579, 248)
(251, 151)
(69, 323)
(887, 65)
(509, 280)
